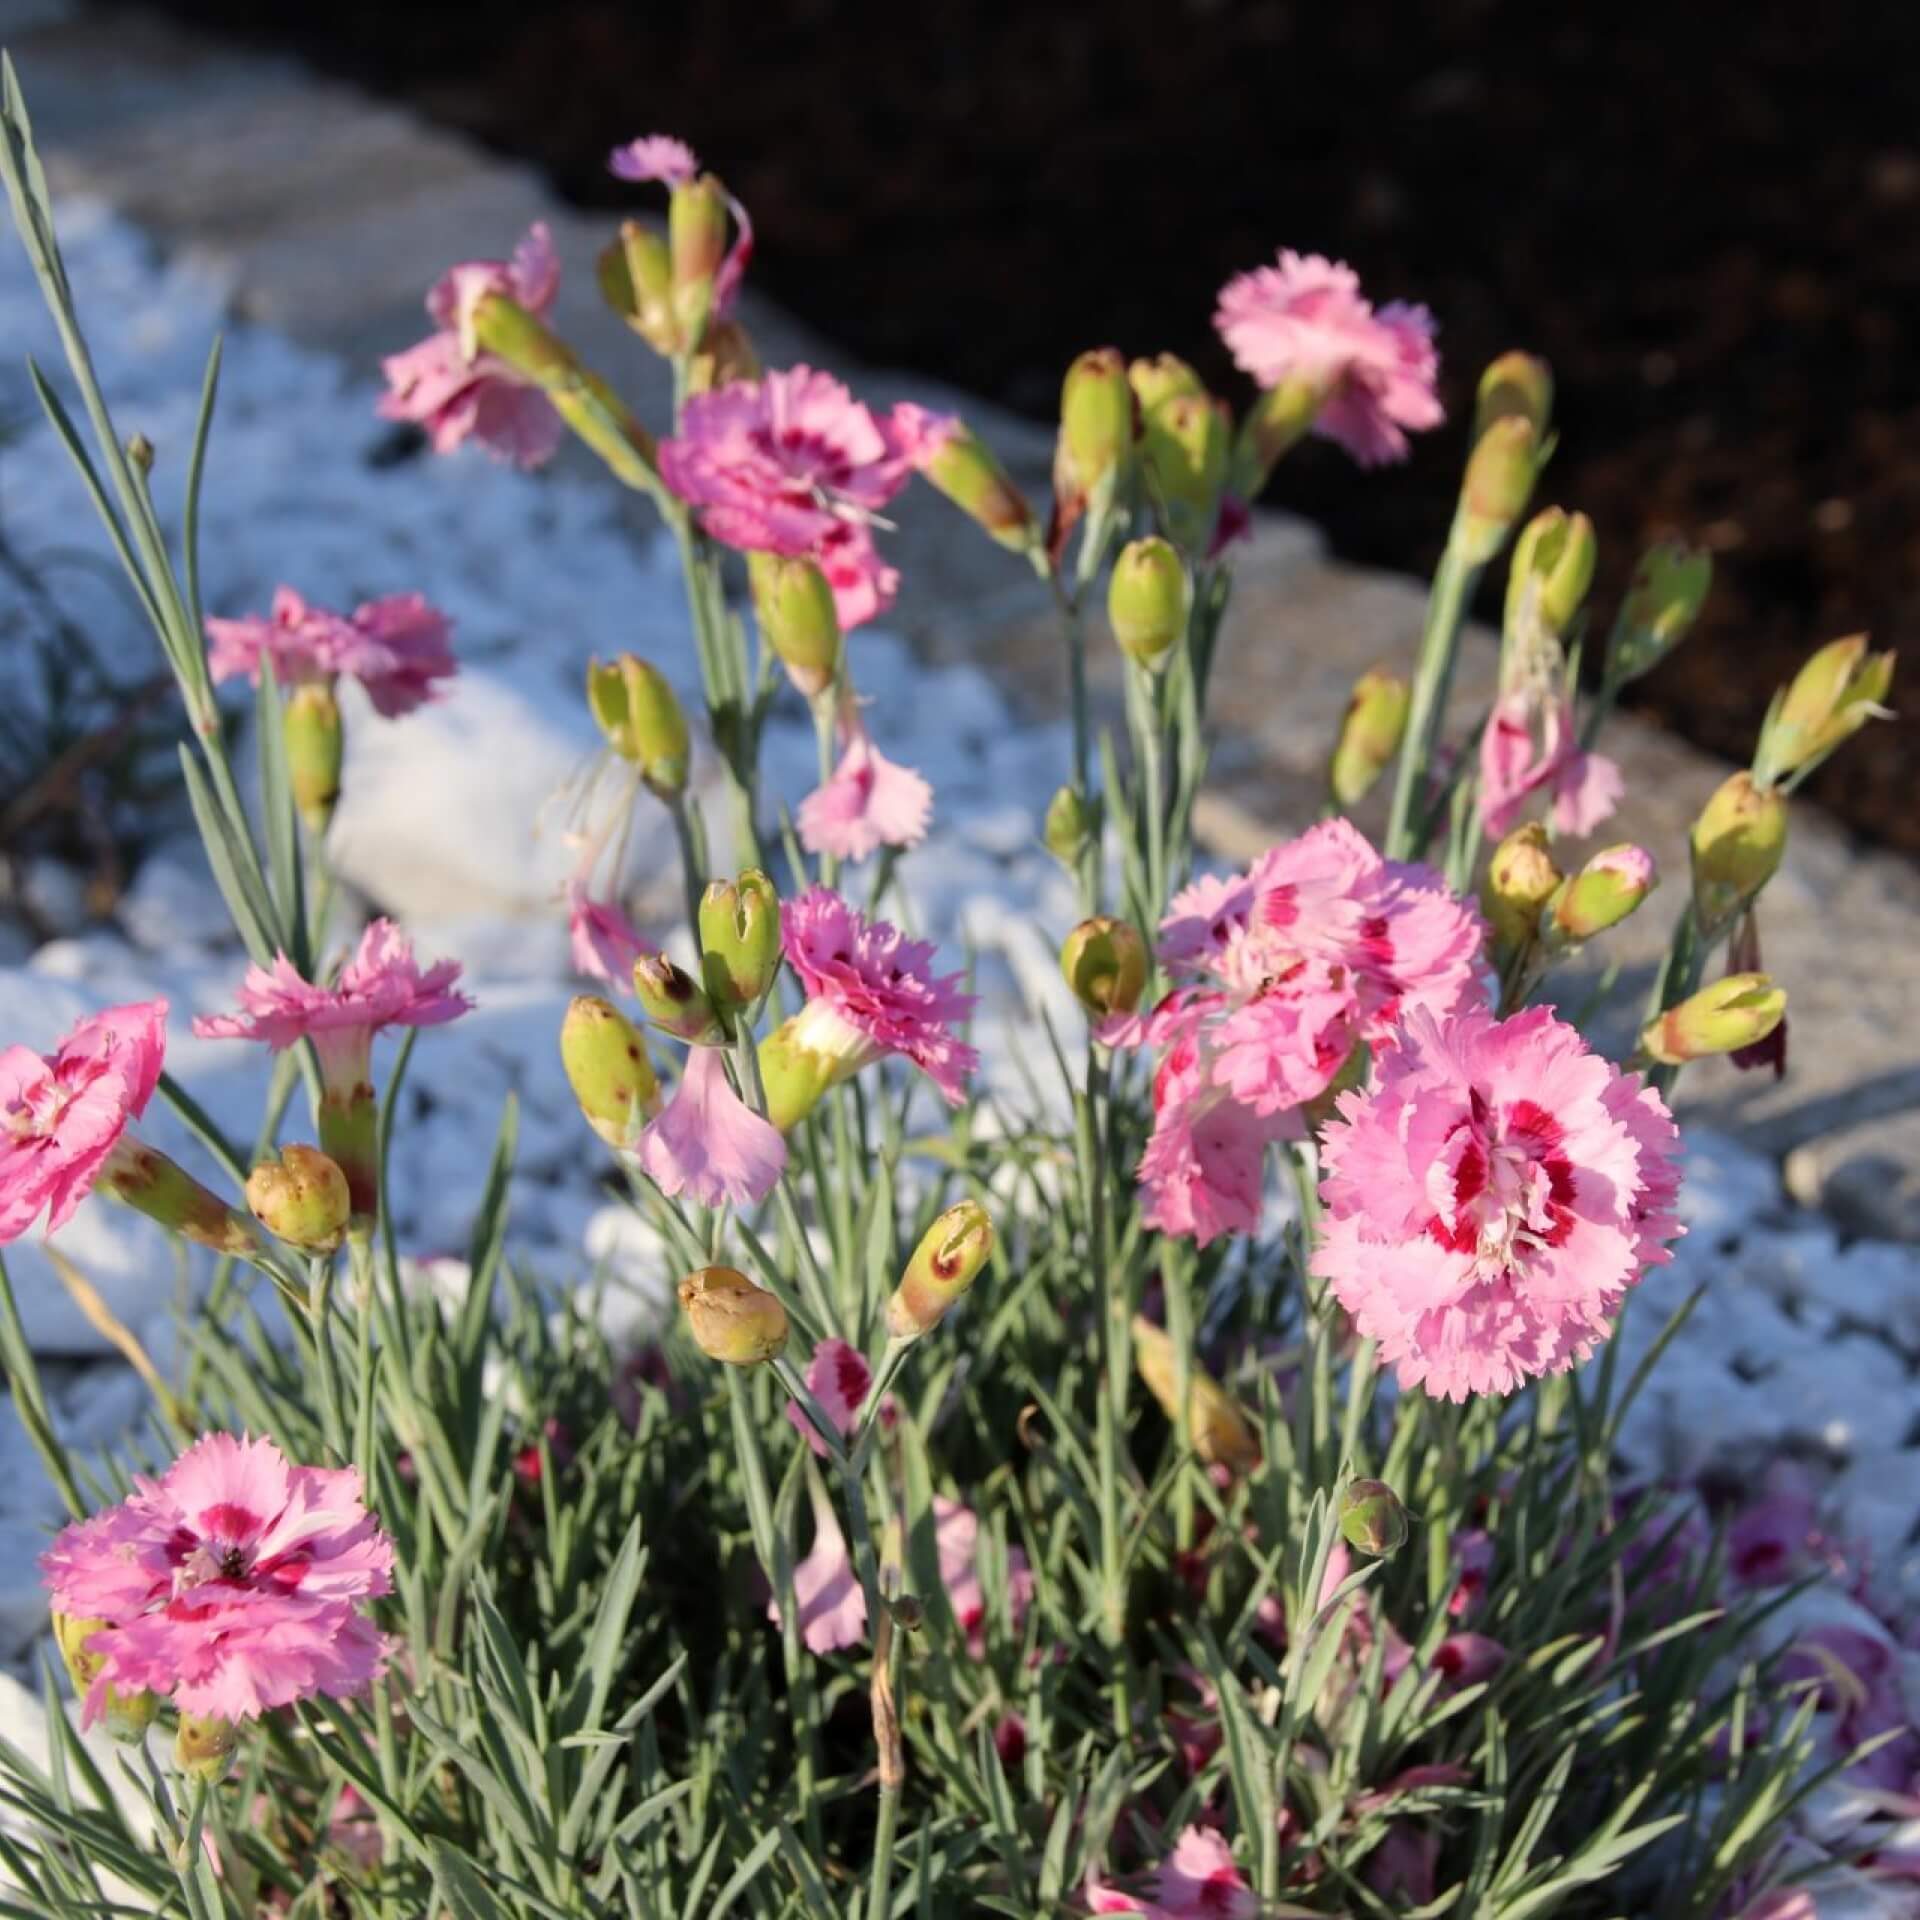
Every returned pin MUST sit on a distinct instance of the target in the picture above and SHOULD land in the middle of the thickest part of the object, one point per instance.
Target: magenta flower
(1491, 1198)
(64, 1116)
(870, 992)
(1305, 320)
(840, 1379)
(396, 647)
(867, 803)
(446, 386)
(1586, 787)
(659, 156)
(708, 1142)
(1279, 973)
(1466, 1659)
(863, 584)
(1860, 1688)
(235, 1583)
(604, 942)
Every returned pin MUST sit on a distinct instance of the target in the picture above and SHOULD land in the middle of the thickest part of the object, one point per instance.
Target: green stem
(1076, 637)
(1178, 1275)
(692, 864)
(880, 1885)
(326, 1362)
(1453, 584)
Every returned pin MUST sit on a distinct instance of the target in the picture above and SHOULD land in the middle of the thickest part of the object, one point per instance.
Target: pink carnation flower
(235, 1583)
(397, 647)
(659, 156)
(840, 1379)
(453, 391)
(1586, 787)
(867, 803)
(1197, 1881)
(708, 1142)
(604, 941)
(63, 1116)
(870, 992)
(1306, 320)
(1491, 1198)
(921, 433)
(1279, 973)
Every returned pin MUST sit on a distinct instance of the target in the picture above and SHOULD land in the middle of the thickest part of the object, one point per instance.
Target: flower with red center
(381, 986)
(707, 1142)
(235, 1583)
(839, 1378)
(1278, 974)
(1586, 787)
(870, 992)
(397, 647)
(64, 1116)
(1490, 1199)
(1197, 1881)
(1305, 321)
(1466, 1659)
(867, 803)
(446, 386)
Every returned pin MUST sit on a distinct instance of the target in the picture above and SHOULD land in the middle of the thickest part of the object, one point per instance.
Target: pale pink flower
(839, 1378)
(302, 641)
(235, 1583)
(867, 803)
(956, 1539)
(1279, 973)
(1199, 1879)
(1306, 320)
(455, 392)
(871, 991)
(63, 1115)
(1491, 1198)
(661, 157)
(397, 647)
(1586, 787)
(921, 433)
(863, 583)
(604, 941)
(706, 1141)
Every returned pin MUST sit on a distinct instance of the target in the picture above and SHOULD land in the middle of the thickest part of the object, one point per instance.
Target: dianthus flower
(381, 986)
(868, 802)
(453, 391)
(604, 942)
(1490, 1199)
(870, 992)
(661, 157)
(791, 463)
(1279, 973)
(708, 1142)
(235, 1583)
(1586, 787)
(1197, 1881)
(396, 647)
(1305, 321)
(839, 1378)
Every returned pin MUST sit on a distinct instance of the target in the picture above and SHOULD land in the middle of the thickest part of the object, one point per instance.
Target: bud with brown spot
(301, 1198)
(731, 1319)
(944, 1265)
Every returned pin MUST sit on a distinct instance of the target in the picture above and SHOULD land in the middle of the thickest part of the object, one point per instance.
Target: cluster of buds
(1535, 911)
(1511, 442)
(641, 717)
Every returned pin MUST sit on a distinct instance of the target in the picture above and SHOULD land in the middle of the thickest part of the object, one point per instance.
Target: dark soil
(1707, 216)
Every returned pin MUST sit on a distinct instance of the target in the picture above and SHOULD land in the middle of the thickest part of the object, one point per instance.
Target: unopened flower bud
(965, 469)
(301, 1198)
(794, 605)
(1735, 1012)
(1105, 963)
(1186, 443)
(944, 1265)
(1515, 386)
(1221, 1433)
(1279, 418)
(146, 1180)
(1669, 588)
(311, 728)
(1147, 601)
(127, 1715)
(640, 715)
(731, 1319)
(1096, 417)
(1067, 828)
(1500, 473)
(204, 1747)
(1163, 377)
(1370, 734)
(636, 279)
(608, 1069)
(1553, 562)
(1608, 888)
(1737, 845)
(675, 1001)
(697, 242)
(1372, 1520)
(140, 452)
(1833, 696)
(1521, 879)
(740, 939)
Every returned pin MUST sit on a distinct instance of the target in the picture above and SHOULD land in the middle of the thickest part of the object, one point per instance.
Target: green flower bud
(1279, 418)
(641, 717)
(203, 1748)
(1147, 601)
(1500, 473)
(636, 278)
(1669, 588)
(1096, 418)
(731, 1319)
(127, 1715)
(697, 243)
(1521, 879)
(944, 1265)
(1553, 562)
(608, 1069)
(1735, 1012)
(146, 1180)
(1164, 377)
(1515, 386)
(1221, 1433)
(794, 1074)
(1105, 963)
(1370, 735)
(1833, 696)
(1372, 1520)
(964, 468)
(1067, 828)
(676, 1002)
(740, 939)
(794, 605)
(1608, 888)
(311, 728)
(1737, 845)
(1185, 446)
(301, 1198)
(140, 452)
